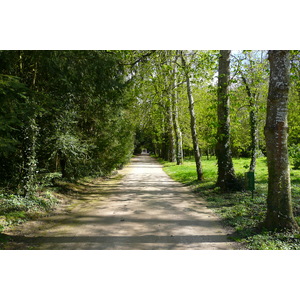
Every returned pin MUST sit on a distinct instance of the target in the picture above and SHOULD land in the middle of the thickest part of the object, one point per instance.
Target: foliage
(10, 203)
(15, 209)
(12, 118)
(239, 210)
(248, 94)
(62, 111)
(294, 153)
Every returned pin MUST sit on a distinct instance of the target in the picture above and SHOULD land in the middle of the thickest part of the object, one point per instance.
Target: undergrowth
(238, 210)
(15, 209)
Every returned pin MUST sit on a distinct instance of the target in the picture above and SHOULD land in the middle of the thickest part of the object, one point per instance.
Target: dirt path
(144, 210)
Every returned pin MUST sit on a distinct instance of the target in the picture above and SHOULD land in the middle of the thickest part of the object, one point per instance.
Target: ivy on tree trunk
(253, 125)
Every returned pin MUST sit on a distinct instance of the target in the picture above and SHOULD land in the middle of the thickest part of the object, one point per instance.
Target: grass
(238, 210)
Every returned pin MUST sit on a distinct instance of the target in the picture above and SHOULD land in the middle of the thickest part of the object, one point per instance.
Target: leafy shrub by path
(238, 210)
(16, 209)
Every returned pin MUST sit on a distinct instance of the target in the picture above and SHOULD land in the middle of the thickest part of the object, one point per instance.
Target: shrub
(14, 203)
(294, 152)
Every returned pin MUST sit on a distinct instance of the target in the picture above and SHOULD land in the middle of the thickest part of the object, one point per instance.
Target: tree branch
(140, 58)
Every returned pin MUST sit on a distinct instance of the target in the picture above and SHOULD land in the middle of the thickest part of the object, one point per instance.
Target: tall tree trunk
(30, 137)
(178, 134)
(253, 126)
(254, 134)
(279, 205)
(197, 154)
(168, 87)
(164, 139)
(226, 176)
(171, 134)
(63, 166)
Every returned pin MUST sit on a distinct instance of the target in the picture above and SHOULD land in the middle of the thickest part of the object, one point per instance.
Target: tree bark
(197, 154)
(171, 140)
(178, 134)
(279, 205)
(253, 126)
(226, 175)
(30, 137)
(63, 166)
(168, 92)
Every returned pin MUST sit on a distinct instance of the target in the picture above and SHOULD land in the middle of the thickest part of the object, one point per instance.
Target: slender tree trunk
(279, 205)
(254, 134)
(253, 126)
(20, 63)
(168, 87)
(30, 137)
(171, 133)
(164, 140)
(63, 165)
(226, 176)
(34, 75)
(197, 154)
(178, 134)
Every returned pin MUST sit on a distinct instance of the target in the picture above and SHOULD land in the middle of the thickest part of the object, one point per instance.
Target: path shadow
(105, 237)
(115, 242)
(155, 215)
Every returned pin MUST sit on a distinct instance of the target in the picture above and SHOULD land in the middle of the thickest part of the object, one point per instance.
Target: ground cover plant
(238, 210)
(16, 209)
(52, 193)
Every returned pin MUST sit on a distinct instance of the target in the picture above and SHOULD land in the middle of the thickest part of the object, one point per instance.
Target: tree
(169, 87)
(13, 112)
(294, 96)
(68, 111)
(197, 154)
(250, 68)
(178, 133)
(226, 175)
(155, 85)
(279, 205)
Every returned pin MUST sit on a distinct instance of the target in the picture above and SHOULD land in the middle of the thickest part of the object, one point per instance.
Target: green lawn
(239, 210)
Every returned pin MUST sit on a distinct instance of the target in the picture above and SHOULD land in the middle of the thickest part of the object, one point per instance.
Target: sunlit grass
(239, 210)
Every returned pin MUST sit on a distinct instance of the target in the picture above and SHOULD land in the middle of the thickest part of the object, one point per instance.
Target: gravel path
(144, 210)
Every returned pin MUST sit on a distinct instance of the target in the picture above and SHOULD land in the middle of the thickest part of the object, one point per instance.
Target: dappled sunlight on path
(144, 210)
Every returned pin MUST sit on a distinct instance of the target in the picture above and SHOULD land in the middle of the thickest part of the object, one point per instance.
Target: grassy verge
(239, 210)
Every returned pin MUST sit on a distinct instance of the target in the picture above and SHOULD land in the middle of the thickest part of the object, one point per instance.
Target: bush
(14, 203)
(294, 153)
